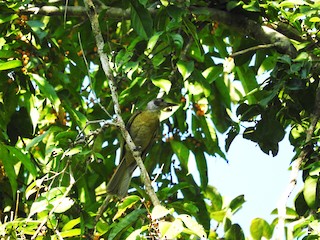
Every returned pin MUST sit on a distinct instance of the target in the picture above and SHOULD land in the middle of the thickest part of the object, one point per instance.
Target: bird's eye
(158, 101)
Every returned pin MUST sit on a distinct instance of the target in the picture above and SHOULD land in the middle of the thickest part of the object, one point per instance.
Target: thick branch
(111, 12)
(248, 27)
(93, 16)
(238, 23)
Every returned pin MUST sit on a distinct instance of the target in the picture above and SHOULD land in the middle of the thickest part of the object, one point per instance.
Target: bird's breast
(144, 127)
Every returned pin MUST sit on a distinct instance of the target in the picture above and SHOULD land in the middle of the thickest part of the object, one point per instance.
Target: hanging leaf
(47, 90)
(141, 20)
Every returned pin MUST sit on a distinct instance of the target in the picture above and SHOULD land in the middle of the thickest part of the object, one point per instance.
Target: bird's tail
(120, 180)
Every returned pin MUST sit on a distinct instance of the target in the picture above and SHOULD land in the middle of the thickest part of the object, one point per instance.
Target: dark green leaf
(202, 167)
(141, 19)
(233, 132)
(237, 203)
(8, 163)
(24, 158)
(125, 222)
(234, 233)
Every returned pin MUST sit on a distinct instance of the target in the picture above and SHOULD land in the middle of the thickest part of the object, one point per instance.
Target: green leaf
(249, 82)
(234, 233)
(79, 118)
(212, 73)
(8, 18)
(197, 52)
(127, 203)
(202, 167)
(164, 84)
(219, 216)
(152, 42)
(215, 197)
(181, 151)
(177, 40)
(24, 158)
(236, 203)
(125, 222)
(260, 229)
(71, 233)
(8, 164)
(141, 20)
(185, 68)
(233, 132)
(73, 151)
(70, 225)
(200, 79)
(137, 233)
(7, 54)
(38, 139)
(310, 191)
(47, 90)
(10, 64)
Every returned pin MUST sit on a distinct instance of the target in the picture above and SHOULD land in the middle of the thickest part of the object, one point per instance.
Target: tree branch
(238, 23)
(248, 27)
(255, 48)
(93, 16)
(296, 166)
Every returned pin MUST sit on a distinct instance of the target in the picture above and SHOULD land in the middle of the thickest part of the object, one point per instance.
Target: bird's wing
(128, 125)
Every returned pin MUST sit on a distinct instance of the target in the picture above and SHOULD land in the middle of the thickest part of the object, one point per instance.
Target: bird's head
(159, 104)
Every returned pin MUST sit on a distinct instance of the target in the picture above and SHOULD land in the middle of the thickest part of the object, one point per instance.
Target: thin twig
(44, 221)
(102, 208)
(255, 48)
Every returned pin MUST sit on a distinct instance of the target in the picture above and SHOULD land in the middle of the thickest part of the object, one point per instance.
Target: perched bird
(143, 127)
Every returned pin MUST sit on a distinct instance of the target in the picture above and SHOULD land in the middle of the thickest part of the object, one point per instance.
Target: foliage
(54, 165)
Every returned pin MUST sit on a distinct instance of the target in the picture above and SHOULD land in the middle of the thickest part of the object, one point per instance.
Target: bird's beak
(167, 107)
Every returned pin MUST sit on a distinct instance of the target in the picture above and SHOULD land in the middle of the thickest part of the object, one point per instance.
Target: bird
(142, 127)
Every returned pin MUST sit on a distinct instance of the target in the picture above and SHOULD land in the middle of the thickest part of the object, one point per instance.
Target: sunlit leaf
(10, 64)
(152, 42)
(181, 151)
(193, 225)
(71, 233)
(126, 204)
(164, 84)
(185, 68)
(25, 159)
(47, 90)
(172, 229)
(310, 191)
(160, 212)
(260, 228)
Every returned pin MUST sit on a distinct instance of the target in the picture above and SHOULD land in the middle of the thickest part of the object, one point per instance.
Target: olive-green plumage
(143, 127)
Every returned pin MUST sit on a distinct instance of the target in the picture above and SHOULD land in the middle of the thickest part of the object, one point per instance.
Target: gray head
(158, 104)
